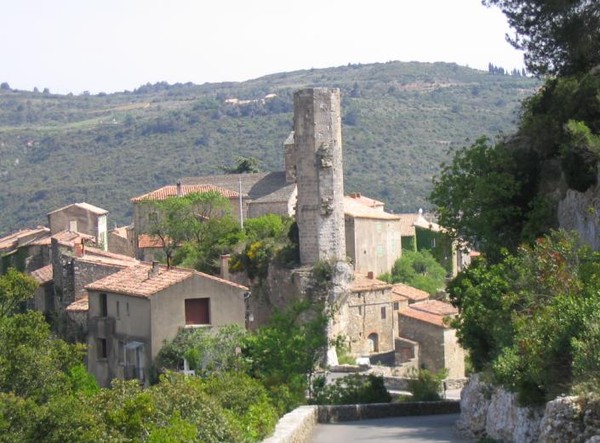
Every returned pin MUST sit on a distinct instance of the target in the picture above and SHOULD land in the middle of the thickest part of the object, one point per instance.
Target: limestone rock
(474, 403)
(507, 421)
(563, 421)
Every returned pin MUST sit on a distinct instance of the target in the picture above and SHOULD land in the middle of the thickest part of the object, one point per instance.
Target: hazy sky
(115, 45)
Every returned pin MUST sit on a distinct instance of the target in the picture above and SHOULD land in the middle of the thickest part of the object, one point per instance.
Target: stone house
(373, 236)
(369, 316)
(83, 218)
(25, 250)
(425, 323)
(132, 313)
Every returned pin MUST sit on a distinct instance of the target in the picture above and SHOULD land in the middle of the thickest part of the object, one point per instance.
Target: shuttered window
(197, 311)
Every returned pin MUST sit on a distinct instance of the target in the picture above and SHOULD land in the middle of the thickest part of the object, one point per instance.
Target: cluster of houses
(106, 288)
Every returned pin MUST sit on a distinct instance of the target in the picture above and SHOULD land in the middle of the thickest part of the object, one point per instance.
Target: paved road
(423, 429)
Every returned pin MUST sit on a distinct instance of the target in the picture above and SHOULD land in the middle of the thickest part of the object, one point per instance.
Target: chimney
(225, 266)
(370, 275)
(179, 191)
(155, 269)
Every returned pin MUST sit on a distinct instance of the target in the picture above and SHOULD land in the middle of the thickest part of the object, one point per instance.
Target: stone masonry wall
(318, 143)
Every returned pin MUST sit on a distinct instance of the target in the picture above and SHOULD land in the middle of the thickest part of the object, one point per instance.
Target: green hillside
(401, 120)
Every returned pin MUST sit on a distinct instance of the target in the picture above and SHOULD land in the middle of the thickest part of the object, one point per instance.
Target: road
(421, 429)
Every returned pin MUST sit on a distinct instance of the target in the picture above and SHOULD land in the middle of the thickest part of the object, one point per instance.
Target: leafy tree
(243, 165)
(418, 269)
(15, 289)
(485, 194)
(194, 229)
(32, 363)
(558, 37)
(526, 319)
(283, 354)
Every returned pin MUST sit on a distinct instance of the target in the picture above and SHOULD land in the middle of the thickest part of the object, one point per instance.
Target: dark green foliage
(15, 289)
(266, 238)
(243, 165)
(427, 385)
(558, 37)
(418, 269)
(105, 149)
(284, 353)
(528, 317)
(352, 389)
(484, 195)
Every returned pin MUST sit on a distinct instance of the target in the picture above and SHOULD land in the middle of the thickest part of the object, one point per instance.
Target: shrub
(427, 385)
(352, 389)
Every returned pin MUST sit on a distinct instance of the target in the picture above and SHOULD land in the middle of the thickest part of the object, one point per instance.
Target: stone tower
(319, 175)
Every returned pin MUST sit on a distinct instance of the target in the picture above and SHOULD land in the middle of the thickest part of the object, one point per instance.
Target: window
(102, 350)
(118, 309)
(121, 352)
(103, 306)
(152, 216)
(379, 250)
(360, 310)
(197, 311)
(383, 313)
(127, 308)
(396, 306)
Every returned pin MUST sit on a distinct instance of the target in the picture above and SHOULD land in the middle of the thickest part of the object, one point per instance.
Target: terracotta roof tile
(366, 201)
(79, 305)
(171, 191)
(137, 281)
(24, 236)
(364, 283)
(43, 275)
(149, 241)
(432, 311)
(356, 209)
(412, 294)
(69, 238)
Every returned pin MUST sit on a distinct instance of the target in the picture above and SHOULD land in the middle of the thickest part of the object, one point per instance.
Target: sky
(116, 45)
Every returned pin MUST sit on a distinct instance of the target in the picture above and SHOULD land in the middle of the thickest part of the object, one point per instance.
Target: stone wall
(490, 411)
(339, 413)
(318, 144)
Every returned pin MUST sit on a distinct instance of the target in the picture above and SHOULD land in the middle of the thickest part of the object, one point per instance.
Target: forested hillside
(401, 121)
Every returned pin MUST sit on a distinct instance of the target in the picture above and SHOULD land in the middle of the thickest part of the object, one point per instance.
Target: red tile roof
(149, 241)
(356, 209)
(79, 305)
(171, 191)
(43, 275)
(412, 294)
(24, 236)
(137, 281)
(68, 238)
(369, 202)
(431, 311)
(363, 283)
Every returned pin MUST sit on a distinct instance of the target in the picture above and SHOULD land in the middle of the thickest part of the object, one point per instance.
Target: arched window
(373, 343)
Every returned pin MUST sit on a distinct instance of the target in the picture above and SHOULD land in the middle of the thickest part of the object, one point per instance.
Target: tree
(194, 229)
(527, 319)
(33, 364)
(558, 37)
(243, 165)
(15, 289)
(418, 269)
(283, 354)
(485, 196)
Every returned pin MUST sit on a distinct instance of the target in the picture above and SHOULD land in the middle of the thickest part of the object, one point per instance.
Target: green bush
(427, 385)
(352, 389)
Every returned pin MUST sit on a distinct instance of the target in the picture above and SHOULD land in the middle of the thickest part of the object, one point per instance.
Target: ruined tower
(319, 175)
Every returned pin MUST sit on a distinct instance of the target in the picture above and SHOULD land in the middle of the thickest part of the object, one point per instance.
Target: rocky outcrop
(580, 211)
(489, 411)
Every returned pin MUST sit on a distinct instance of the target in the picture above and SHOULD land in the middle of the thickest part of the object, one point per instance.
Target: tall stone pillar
(319, 175)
